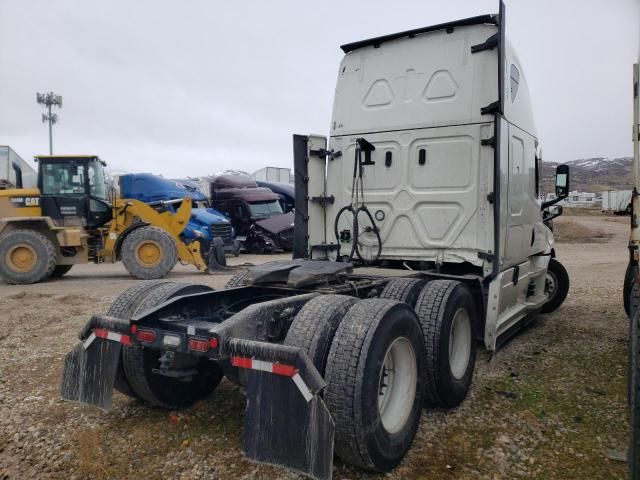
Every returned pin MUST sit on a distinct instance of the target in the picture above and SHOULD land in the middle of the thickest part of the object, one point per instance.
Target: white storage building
(14, 171)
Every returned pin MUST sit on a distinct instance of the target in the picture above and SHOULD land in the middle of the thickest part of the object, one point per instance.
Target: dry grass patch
(581, 211)
(90, 455)
(572, 231)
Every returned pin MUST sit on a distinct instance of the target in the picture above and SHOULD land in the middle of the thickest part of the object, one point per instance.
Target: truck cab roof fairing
(376, 41)
(429, 80)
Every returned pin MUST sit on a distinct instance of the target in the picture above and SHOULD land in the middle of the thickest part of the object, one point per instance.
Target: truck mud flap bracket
(286, 422)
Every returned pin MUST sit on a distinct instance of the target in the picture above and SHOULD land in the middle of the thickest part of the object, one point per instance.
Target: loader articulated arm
(129, 211)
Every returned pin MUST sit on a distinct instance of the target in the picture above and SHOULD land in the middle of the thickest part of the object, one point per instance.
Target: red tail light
(213, 343)
(198, 344)
(147, 336)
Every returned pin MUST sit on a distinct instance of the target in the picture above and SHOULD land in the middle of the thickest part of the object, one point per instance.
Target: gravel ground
(549, 404)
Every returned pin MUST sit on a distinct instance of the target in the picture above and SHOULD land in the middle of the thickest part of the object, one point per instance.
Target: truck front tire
(627, 287)
(149, 253)
(447, 316)
(26, 256)
(556, 286)
(215, 256)
(374, 383)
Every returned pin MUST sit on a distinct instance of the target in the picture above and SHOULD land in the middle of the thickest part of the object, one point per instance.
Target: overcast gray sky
(190, 88)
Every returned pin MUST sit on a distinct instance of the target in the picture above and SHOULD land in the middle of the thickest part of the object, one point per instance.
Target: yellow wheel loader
(69, 219)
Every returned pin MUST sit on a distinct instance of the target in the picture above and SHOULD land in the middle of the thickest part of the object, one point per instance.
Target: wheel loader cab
(73, 190)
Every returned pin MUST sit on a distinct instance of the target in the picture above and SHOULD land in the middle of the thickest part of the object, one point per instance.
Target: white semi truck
(418, 236)
(631, 290)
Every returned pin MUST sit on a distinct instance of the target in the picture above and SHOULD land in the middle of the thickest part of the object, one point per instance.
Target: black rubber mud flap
(282, 428)
(215, 257)
(90, 368)
(286, 421)
(90, 371)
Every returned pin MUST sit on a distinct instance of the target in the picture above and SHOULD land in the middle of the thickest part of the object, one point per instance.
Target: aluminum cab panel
(430, 80)
(451, 157)
(435, 209)
(526, 233)
(517, 100)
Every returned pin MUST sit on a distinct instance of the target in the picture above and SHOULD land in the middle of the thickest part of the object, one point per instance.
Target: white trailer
(273, 174)
(14, 171)
(430, 179)
(616, 202)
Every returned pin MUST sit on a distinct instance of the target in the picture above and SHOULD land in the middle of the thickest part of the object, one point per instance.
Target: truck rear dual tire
(139, 362)
(447, 316)
(237, 280)
(26, 256)
(125, 306)
(134, 376)
(149, 253)
(315, 325)
(633, 390)
(406, 290)
(374, 384)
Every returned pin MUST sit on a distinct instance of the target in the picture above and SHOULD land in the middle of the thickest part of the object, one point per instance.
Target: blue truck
(205, 224)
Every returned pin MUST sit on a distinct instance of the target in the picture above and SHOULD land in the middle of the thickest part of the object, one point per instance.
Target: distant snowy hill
(593, 174)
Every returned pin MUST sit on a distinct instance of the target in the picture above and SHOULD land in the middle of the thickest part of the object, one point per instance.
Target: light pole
(49, 99)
